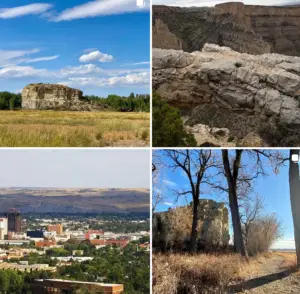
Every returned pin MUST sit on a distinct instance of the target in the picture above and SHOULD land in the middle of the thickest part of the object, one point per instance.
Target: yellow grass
(202, 273)
(73, 129)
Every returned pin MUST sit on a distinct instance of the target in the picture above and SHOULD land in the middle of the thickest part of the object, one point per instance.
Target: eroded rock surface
(212, 228)
(56, 97)
(244, 28)
(254, 88)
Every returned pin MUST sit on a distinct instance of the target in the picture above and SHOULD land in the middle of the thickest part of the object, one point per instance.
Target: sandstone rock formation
(227, 89)
(54, 96)
(244, 28)
(212, 229)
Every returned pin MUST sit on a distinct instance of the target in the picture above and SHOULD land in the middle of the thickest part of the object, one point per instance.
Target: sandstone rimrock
(244, 28)
(53, 96)
(265, 86)
(172, 229)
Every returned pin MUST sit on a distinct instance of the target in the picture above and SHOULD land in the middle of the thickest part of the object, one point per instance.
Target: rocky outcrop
(56, 97)
(171, 229)
(230, 89)
(244, 28)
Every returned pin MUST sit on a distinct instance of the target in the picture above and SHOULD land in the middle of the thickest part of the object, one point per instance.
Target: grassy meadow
(30, 128)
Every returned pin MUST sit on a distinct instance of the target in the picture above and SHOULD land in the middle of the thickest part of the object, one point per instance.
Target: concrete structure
(45, 243)
(26, 267)
(94, 234)
(3, 227)
(58, 228)
(74, 258)
(65, 286)
(14, 221)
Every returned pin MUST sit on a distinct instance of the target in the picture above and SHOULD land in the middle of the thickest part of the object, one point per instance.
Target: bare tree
(232, 174)
(195, 165)
(240, 178)
(252, 209)
(294, 182)
(157, 177)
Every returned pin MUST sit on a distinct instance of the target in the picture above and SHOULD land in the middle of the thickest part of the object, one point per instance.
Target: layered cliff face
(171, 229)
(244, 28)
(226, 89)
(54, 96)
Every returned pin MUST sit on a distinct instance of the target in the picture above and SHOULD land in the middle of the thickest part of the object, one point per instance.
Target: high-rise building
(3, 228)
(58, 228)
(14, 221)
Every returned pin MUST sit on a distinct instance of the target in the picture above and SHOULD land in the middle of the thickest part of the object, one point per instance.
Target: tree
(167, 126)
(240, 178)
(231, 174)
(294, 182)
(195, 165)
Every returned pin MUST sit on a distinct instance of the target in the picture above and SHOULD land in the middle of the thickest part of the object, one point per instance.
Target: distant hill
(52, 200)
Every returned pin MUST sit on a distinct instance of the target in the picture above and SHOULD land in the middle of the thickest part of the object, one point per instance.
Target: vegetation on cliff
(167, 126)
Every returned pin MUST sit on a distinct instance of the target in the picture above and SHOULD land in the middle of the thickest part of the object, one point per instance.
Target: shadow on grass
(260, 281)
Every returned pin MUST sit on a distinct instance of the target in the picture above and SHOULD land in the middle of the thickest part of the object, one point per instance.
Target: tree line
(10, 101)
(134, 102)
(131, 103)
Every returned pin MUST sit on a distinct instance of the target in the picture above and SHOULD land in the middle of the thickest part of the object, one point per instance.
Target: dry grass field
(212, 273)
(73, 129)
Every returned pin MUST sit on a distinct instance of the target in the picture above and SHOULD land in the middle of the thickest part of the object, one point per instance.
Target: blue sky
(100, 46)
(274, 189)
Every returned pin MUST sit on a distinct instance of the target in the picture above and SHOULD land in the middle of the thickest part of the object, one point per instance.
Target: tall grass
(201, 273)
(73, 129)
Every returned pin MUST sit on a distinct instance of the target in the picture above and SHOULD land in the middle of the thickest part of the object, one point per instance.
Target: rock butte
(244, 28)
(212, 220)
(55, 97)
(265, 86)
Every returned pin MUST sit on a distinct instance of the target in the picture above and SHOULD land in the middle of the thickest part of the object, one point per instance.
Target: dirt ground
(275, 276)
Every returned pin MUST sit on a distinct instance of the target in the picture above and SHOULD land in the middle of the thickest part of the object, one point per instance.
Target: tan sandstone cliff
(244, 28)
(172, 229)
(55, 97)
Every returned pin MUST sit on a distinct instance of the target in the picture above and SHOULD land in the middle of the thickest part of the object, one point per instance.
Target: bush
(262, 233)
(202, 273)
(167, 126)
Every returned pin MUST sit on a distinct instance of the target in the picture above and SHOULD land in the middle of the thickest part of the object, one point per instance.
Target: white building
(3, 227)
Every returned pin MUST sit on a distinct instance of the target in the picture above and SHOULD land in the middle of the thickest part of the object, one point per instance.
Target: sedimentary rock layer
(54, 96)
(244, 28)
(265, 86)
(212, 224)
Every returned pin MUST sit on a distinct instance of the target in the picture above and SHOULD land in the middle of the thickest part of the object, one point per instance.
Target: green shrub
(167, 126)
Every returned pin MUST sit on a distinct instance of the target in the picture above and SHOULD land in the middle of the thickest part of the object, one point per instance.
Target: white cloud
(284, 244)
(169, 183)
(12, 57)
(99, 8)
(23, 71)
(138, 63)
(136, 79)
(168, 203)
(45, 58)
(81, 70)
(96, 56)
(37, 8)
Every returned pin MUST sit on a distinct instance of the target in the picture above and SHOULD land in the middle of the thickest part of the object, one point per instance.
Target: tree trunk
(231, 178)
(193, 244)
(294, 181)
